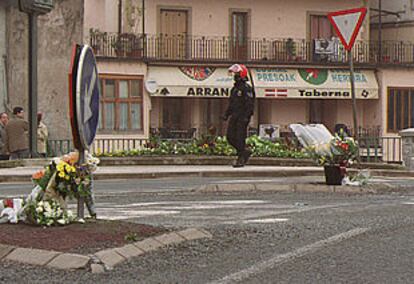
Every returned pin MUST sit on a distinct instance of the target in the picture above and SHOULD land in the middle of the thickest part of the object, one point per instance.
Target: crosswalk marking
(113, 211)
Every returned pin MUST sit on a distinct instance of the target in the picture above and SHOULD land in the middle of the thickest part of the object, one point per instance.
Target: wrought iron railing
(380, 149)
(372, 149)
(100, 145)
(227, 49)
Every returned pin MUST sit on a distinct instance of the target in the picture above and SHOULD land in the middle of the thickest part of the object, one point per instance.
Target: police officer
(240, 109)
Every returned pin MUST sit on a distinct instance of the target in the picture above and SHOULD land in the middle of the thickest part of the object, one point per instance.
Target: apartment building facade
(163, 64)
(179, 52)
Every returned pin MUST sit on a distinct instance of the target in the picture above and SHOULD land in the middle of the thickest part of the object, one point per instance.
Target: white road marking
(245, 181)
(408, 203)
(265, 221)
(283, 258)
(114, 211)
(194, 204)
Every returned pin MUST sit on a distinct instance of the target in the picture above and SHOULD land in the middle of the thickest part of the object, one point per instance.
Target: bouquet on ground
(63, 178)
(339, 151)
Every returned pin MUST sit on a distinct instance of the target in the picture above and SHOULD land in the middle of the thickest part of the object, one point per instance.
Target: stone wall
(56, 33)
(3, 89)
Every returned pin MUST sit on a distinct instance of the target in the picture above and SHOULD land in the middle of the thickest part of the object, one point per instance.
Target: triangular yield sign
(347, 24)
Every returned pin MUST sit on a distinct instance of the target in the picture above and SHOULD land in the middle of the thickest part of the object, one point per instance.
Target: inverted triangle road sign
(347, 24)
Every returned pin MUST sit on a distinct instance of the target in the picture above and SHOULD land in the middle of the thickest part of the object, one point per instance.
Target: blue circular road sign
(87, 97)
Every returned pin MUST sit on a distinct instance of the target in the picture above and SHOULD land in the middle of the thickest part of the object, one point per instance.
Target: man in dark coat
(17, 143)
(240, 109)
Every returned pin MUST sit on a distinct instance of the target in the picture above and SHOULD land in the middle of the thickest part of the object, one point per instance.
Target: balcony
(202, 49)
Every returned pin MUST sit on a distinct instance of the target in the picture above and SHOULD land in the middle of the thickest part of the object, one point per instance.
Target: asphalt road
(258, 237)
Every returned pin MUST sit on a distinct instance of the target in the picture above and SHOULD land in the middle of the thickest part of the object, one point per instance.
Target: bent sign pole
(347, 24)
(84, 93)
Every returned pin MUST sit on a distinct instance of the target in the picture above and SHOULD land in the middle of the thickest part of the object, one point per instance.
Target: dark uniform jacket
(17, 135)
(241, 103)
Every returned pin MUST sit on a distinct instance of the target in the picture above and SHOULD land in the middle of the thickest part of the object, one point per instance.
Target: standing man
(4, 119)
(17, 143)
(240, 109)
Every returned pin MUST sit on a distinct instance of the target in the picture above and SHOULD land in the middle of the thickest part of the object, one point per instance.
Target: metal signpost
(84, 95)
(347, 24)
(33, 8)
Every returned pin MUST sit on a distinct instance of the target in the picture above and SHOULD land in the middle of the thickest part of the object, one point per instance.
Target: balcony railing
(226, 49)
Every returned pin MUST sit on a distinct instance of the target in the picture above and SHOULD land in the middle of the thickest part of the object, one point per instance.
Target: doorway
(173, 33)
(239, 35)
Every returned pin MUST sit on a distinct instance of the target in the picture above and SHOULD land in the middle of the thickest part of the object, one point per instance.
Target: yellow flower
(60, 167)
(69, 168)
(61, 174)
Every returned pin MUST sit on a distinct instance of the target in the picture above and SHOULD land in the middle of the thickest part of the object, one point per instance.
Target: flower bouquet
(335, 156)
(335, 153)
(341, 150)
(63, 178)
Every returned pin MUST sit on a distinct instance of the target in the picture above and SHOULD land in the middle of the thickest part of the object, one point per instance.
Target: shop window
(400, 104)
(121, 104)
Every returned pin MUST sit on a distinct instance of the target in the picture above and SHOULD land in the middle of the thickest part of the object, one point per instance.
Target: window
(400, 107)
(121, 104)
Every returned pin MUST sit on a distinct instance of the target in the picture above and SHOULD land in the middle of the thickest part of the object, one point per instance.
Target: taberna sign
(323, 93)
(87, 97)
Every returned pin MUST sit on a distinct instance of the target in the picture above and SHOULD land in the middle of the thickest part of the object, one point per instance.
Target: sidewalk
(23, 174)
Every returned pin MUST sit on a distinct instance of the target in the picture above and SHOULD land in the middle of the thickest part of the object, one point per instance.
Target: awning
(310, 83)
(189, 82)
(270, 83)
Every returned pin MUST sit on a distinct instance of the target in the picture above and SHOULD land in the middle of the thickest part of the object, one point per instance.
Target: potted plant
(335, 156)
(98, 39)
(127, 44)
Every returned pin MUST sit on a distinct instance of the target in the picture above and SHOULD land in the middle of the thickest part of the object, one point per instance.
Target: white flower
(69, 213)
(39, 209)
(62, 221)
(49, 222)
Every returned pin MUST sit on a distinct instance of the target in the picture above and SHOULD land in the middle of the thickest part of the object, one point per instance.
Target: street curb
(303, 188)
(215, 173)
(100, 261)
(192, 160)
(156, 175)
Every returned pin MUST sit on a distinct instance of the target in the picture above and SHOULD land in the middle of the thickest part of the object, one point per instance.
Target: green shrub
(211, 145)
